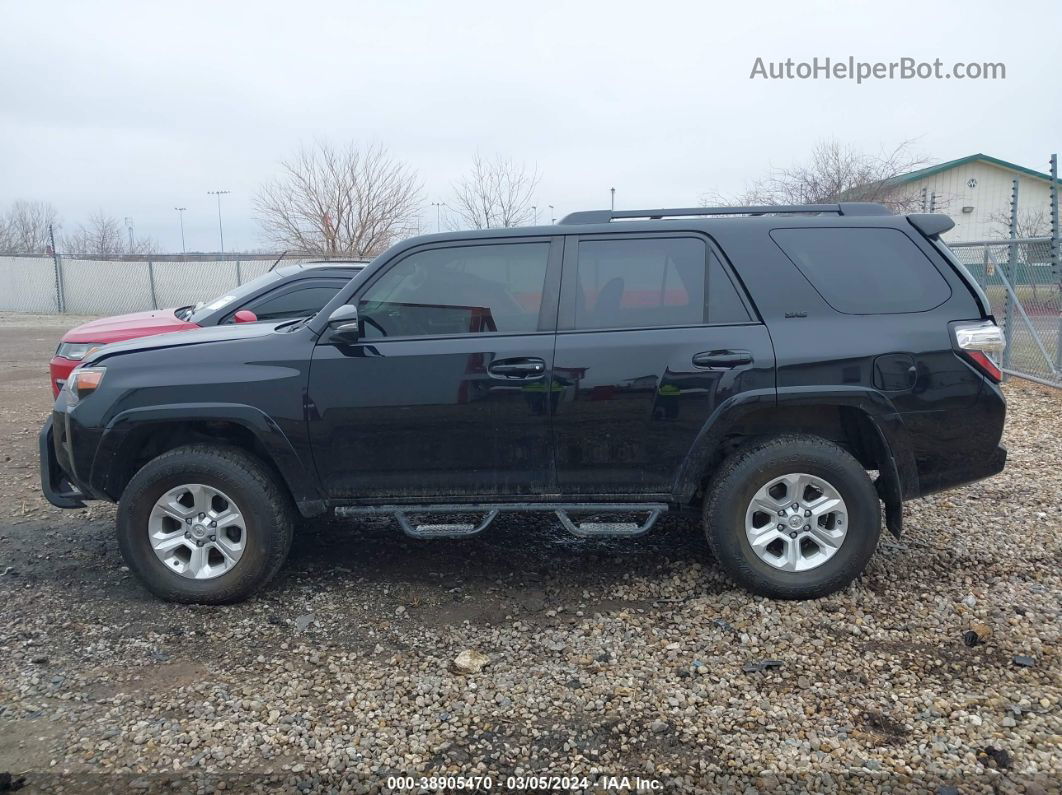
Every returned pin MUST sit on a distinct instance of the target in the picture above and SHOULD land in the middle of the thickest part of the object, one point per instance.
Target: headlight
(84, 381)
(76, 351)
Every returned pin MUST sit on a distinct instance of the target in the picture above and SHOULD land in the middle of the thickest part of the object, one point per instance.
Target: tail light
(975, 340)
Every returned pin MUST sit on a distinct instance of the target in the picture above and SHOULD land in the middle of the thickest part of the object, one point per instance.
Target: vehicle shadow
(514, 545)
(520, 565)
(523, 567)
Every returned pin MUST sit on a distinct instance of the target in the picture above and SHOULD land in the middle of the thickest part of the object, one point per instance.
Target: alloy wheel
(197, 531)
(796, 522)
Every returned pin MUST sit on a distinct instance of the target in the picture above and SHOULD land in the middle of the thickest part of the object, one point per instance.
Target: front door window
(457, 290)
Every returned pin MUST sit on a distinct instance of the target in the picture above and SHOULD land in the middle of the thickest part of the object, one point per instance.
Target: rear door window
(863, 271)
(652, 282)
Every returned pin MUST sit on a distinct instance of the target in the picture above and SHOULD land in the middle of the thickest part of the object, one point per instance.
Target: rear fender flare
(898, 479)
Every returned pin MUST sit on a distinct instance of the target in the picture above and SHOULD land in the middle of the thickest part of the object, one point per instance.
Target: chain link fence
(1023, 286)
(1018, 275)
(46, 284)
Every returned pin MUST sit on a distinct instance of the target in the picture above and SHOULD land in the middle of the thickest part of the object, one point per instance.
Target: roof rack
(843, 208)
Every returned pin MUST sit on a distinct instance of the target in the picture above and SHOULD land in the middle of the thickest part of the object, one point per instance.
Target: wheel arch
(862, 421)
(135, 436)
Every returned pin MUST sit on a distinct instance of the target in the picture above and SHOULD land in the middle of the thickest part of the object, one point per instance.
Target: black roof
(843, 208)
(723, 222)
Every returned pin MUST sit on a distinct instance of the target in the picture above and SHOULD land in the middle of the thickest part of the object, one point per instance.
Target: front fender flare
(298, 474)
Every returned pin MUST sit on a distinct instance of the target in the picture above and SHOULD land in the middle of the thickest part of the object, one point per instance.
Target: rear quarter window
(862, 271)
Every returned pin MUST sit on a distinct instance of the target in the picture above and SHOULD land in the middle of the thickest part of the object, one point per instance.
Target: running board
(453, 530)
(490, 511)
(610, 529)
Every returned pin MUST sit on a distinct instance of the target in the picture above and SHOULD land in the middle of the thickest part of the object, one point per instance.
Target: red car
(287, 292)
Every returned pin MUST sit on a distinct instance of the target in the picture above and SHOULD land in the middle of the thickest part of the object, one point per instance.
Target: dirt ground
(605, 658)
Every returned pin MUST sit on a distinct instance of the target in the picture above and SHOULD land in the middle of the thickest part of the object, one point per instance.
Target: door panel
(444, 394)
(425, 418)
(654, 336)
(634, 401)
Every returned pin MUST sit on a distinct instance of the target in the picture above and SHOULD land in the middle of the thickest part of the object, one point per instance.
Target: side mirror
(344, 322)
(245, 316)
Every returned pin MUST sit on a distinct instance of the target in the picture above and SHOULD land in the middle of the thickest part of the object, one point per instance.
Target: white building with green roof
(975, 191)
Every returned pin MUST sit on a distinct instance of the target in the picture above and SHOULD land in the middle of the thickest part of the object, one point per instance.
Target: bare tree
(24, 227)
(495, 193)
(104, 236)
(339, 202)
(1031, 223)
(839, 172)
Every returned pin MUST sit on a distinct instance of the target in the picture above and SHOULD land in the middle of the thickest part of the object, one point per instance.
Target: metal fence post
(151, 281)
(239, 274)
(1011, 269)
(1056, 269)
(60, 303)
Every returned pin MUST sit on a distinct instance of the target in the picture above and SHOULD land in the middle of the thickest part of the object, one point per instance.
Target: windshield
(229, 299)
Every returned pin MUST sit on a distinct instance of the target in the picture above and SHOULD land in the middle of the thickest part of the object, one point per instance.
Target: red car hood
(128, 327)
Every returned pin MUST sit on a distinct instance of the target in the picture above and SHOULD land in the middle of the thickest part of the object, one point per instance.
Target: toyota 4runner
(781, 372)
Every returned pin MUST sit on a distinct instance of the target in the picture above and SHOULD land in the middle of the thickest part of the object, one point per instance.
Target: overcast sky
(135, 108)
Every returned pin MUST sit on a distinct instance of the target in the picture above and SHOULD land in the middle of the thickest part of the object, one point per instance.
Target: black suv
(752, 365)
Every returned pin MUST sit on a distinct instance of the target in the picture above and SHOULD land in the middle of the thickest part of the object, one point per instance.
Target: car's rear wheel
(792, 517)
(204, 524)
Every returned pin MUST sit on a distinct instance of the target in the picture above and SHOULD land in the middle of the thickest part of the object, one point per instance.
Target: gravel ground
(625, 658)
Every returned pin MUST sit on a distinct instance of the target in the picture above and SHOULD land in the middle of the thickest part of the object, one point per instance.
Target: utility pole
(180, 214)
(613, 191)
(221, 231)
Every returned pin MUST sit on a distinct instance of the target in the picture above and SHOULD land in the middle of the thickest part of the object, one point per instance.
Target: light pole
(613, 191)
(129, 228)
(552, 217)
(180, 215)
(221, 232)
(534, 209)
(438, 215)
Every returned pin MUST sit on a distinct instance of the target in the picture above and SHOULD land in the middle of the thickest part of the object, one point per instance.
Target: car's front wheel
(792, 517)
(204, 524)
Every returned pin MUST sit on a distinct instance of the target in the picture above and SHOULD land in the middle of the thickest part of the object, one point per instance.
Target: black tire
(733, 487)
(266, 506)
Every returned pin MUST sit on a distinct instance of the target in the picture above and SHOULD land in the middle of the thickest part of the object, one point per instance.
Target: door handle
(722, 360)
(517, 368)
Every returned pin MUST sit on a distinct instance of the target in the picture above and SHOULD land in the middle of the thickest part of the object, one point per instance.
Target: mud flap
(888, 488)
(894, 516)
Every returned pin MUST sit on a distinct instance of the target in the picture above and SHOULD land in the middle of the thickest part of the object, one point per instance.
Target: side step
(456, 530)
(490, 511)
(610, 529)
